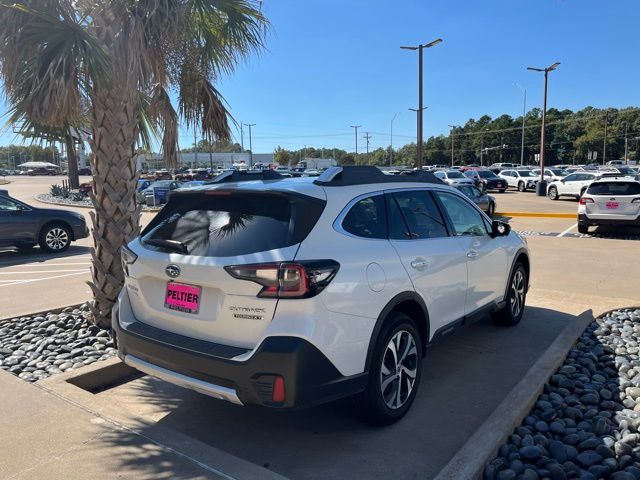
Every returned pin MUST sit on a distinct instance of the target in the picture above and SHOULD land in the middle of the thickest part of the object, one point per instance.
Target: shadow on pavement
(10, 257)
(465, 377)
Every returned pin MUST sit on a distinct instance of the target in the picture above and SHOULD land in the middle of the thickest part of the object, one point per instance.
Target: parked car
(486, 180)
(23, 226)
(157, 192)
(498, 167)
(194, 174)
(610, 201)
(486, 202)
(523, 179)
(84, 171)
(550, 174)
(42, 171)
(573, 185)
(453, 177)
(295, 292)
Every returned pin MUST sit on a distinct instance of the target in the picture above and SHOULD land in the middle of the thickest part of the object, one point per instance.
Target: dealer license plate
(182, 297)
(612, 205)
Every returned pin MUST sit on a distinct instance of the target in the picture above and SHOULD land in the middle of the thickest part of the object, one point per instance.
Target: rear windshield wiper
(174, 245)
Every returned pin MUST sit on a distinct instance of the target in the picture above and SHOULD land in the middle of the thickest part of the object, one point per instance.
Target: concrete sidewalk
(47, 436)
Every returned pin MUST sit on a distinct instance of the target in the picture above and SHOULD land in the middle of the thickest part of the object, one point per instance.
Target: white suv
(292, 292)
(610, 201)
(523, 179)
(573, 185)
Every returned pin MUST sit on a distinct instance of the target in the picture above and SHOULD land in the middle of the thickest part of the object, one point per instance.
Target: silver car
(486, 202)
(453, 178)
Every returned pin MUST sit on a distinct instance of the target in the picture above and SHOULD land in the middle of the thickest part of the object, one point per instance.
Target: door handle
(419, 264)
(472, 253)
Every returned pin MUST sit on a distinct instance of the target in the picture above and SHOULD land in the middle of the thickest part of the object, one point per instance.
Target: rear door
(435, 261)
(179, 282)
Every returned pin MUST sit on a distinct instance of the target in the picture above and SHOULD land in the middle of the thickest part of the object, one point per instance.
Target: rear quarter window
(614, 188)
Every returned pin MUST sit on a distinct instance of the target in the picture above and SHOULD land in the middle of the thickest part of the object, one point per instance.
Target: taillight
(128, 258)
(584, 201)
(288, 279)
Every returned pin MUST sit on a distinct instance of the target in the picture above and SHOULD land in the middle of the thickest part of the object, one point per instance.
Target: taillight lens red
(584, 201)
(287, 280)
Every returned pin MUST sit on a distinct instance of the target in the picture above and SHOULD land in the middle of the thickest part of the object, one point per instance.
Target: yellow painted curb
(536, 215)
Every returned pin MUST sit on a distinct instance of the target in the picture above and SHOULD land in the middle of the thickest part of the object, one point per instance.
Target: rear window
(614, 188)
(486, 174)
(226, 224)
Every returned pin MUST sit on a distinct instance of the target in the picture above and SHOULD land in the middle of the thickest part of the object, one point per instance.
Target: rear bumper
(594, 221)
(309, 377)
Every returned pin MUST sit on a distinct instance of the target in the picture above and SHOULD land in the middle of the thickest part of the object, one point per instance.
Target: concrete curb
(536, 215)
(484, 444)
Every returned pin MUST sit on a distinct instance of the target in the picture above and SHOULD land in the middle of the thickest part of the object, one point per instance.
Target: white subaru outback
(292, 292)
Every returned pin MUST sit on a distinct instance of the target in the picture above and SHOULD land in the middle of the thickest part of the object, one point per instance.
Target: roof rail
(245, 176)
(362, 175)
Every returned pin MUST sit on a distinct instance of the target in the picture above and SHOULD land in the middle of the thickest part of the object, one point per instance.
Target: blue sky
(334, 63)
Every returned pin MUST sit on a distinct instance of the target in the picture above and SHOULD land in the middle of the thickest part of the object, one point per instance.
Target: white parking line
(20, 282)
(567, 230)
(43, 271)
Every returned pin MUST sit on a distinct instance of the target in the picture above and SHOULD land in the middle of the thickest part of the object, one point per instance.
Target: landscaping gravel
(48, 198)
(37, 347)
(586, 423)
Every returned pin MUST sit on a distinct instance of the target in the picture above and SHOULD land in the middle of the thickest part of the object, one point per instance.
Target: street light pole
(250, 144)
(418, 164)
(453, 143)
(626, 143)
(606, 134)
(356, 127)
(391, 154)
(541, 187)
(524, 112)
(420, 48)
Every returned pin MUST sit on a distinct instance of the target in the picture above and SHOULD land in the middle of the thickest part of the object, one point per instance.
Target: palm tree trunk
(72, 163)
(116, 220)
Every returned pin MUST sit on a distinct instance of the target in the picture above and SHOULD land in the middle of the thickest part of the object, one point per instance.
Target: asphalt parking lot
(465, 376)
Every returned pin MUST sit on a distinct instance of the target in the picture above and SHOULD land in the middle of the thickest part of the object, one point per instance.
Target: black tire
(374, 401)
(521, 187)
(55, 238)
(553, 193)
(491, 210)
(503, 190)
(583, 229)
(512, 312)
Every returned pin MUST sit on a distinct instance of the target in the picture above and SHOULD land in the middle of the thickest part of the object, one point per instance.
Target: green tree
(282, 156)
(113, 61)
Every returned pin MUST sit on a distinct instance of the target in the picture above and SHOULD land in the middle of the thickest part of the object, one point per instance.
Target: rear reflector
(278, 394)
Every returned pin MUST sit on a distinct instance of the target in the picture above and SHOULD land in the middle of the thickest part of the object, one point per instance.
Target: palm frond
(162, 112)
(49, 59)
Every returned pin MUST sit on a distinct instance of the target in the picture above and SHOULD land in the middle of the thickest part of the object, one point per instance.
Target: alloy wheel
(517, 293)
(57, 238)
(399, 369)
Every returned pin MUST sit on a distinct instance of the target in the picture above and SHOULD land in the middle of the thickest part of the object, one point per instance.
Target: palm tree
(115, 61)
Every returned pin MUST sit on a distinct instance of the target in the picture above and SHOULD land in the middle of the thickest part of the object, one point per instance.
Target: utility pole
(356, 127)
(453, 144)
(541, 187)
(367, 137)
(391, 153)
(626, 143)
(524, 113)
(241, 138)
(420, 48)
(250, 144)
(606, 132)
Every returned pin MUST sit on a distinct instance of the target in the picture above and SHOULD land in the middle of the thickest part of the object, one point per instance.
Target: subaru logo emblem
(172, 271)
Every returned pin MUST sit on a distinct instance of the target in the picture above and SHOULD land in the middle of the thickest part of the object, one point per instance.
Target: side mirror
(500, 229)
